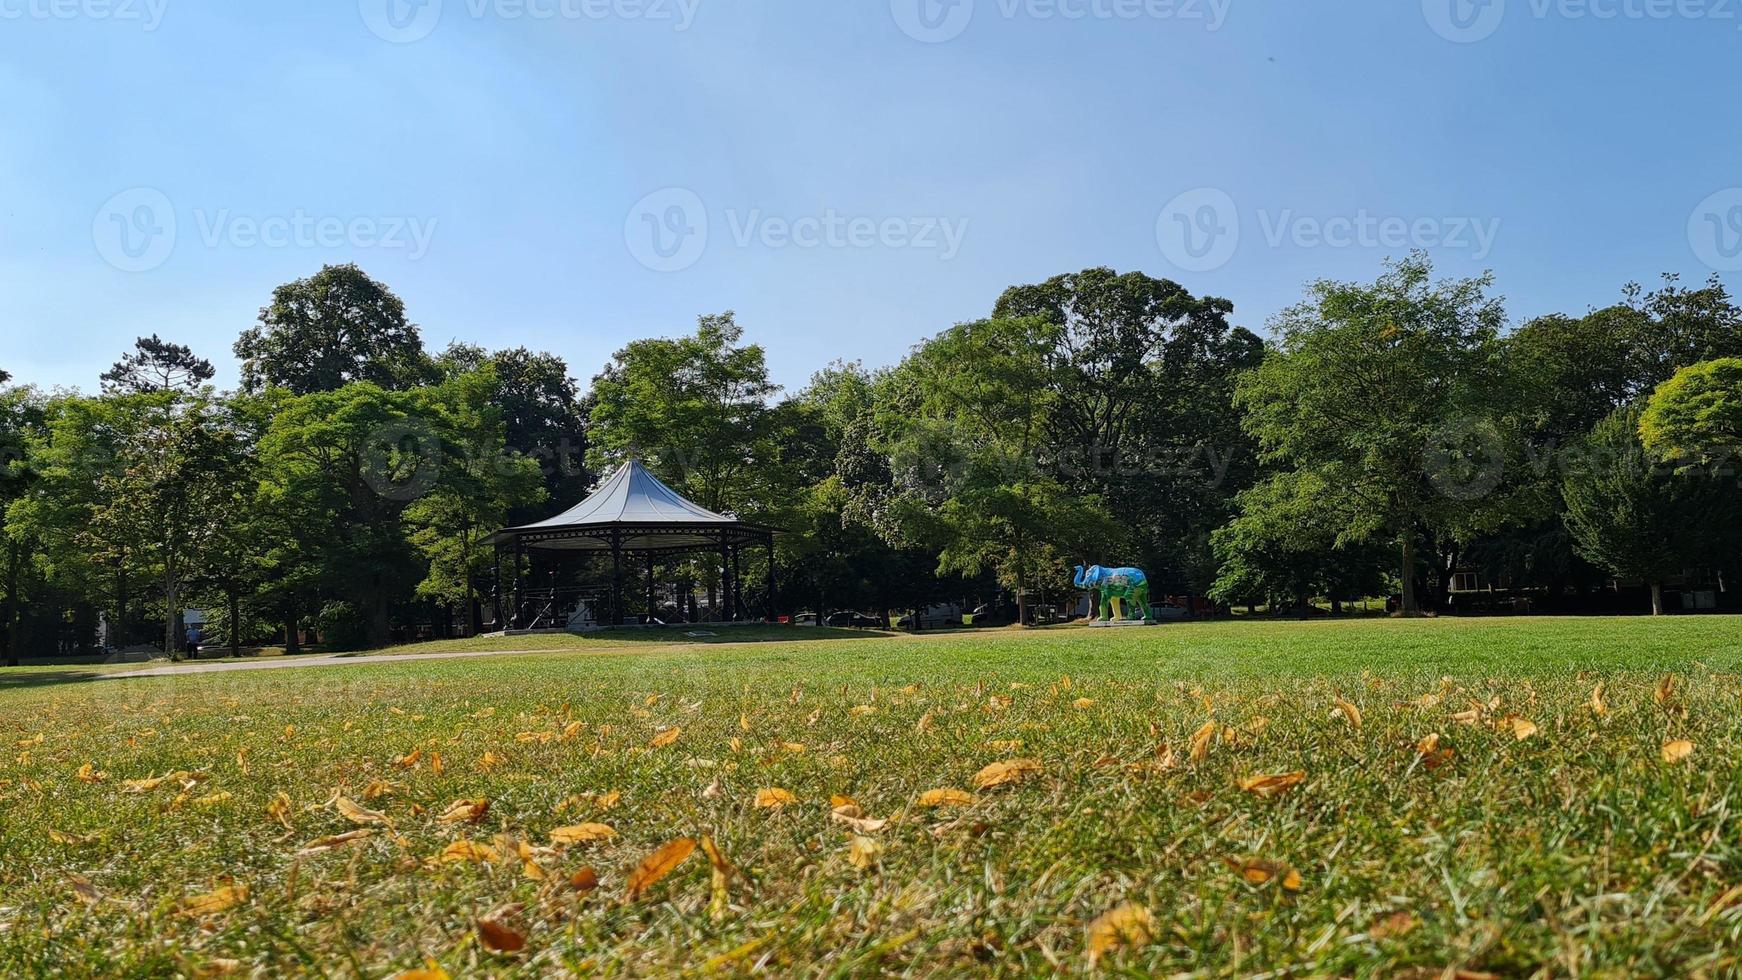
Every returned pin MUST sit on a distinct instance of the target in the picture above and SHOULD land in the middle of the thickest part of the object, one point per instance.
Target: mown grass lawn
(150, 826)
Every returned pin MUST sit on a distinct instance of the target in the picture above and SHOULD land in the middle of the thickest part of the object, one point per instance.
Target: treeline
(1388, 435)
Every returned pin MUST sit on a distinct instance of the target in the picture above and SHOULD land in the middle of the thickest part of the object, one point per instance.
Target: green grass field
(1546, 831)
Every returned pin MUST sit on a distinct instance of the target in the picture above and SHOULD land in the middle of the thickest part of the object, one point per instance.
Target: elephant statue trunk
(1079, 580)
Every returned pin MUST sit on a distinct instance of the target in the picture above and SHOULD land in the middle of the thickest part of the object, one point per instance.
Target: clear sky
(848, 175)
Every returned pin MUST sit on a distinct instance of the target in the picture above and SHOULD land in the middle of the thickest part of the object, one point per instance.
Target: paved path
(281, 663)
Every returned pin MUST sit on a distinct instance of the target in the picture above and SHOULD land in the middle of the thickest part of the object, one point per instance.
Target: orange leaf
(582, 833)
(499, 938)
(1269, 787)
(1006, 773)
(1678, 750)
(218, 900)
(772, 798)
(465, 811)
(665, 738)
(1128, 926)
(584, 880)
(945, 797)
(659, 864)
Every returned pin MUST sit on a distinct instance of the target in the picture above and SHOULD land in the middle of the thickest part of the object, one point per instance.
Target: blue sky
(849, 175)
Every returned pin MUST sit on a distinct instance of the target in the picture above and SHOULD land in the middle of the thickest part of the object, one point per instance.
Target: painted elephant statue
(1118, 587)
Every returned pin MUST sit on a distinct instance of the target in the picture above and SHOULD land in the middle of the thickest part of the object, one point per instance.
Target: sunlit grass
(1577, 849)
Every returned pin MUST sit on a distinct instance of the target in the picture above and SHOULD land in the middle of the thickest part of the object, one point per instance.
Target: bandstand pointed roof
(634, 510)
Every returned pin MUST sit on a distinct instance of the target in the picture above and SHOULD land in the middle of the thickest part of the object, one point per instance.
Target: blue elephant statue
(1119, 587)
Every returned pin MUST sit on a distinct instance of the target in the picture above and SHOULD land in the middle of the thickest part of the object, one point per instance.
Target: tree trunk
(118, 635)
(235, 622)
(13, 641)
(292, 641)
(1657, 598)
(1409, 606)
(1022, 619)
(169, 612)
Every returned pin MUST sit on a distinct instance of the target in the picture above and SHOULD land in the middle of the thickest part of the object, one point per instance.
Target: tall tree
(1697, 415)
(348, 464)
(695, 409)
(478, 491)
(1637, 517)
(1144, 376)
(156, 365)
(1385, 393)
(333, 328)
(964, 420)
(21, 422)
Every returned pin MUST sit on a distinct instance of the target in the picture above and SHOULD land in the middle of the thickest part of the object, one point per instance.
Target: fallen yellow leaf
(1270, 787)
(582, 833)
(1127, 926)
(1677, 750)
(945, 797)
(659, 864)
(863, 852)
(665, 738)
(1006, 773)
(215, 901)
(773, 798)
(465, 811)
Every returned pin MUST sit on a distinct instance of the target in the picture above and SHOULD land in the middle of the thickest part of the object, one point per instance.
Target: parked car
(856, 621)
(805, 619)
(944, 616)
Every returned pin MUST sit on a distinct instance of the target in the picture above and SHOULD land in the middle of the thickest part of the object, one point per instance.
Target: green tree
(695, 409)
(345, 465)
(156, 365)
(1282, 548)
(542, 414)
(1635, 516)
(1143, 373)
(21, 422)
(963, 421)
(477, 492)
(1696, 415)
(1385, 394)
(336, 327)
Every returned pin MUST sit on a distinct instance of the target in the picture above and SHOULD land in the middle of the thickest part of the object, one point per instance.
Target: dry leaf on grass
(863, 852)
(1006, 773)
(218, 900)
(720, 882)
(1202, 740)
(429, 971)
(499, 938)
(773, 797)
(1269, 787)
(279, 809)
(582, 833)
(1258, 872)
(665, 738)
(357, 814)
(1433, 754)
(1127, 926)
(945, 797)
(1350, 713)
(323, 844)
(1599, 705)
(584, 880)
(1522, 728)
(465, 811)
(659, 864)
(1677, 750)
(854, 817)
(465, 851)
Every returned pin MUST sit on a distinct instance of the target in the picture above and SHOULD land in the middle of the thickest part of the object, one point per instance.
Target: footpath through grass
(1576, 814)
